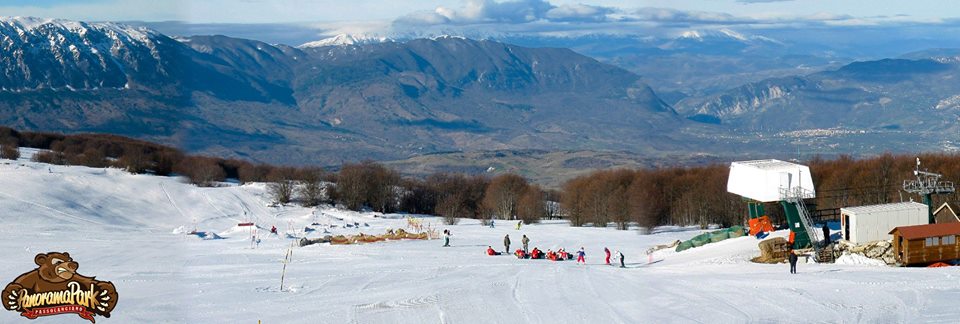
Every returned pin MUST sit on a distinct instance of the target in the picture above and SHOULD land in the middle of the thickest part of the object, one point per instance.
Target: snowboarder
(525, 241)
(793, 261)
(620, 256)
(607, 251)
(826, 235)
(580, 256)
(506, 243)
(490, 251)
(518, 224)
(273, 230)
(446, 237)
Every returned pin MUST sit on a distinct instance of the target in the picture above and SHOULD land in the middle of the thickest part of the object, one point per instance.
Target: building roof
(910, 205)
(951, 207)
(927, 230)
(771, 165)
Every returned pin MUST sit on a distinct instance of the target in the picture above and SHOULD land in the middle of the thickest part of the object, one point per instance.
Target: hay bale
(774, 249)
(340, 239)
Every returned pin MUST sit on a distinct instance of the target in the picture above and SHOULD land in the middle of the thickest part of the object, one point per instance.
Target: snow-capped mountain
(719, 41)
(58, 54)
(347, 39)
(724, 34)
(239, 97)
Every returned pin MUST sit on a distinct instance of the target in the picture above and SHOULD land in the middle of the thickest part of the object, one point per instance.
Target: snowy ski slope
(129, 229)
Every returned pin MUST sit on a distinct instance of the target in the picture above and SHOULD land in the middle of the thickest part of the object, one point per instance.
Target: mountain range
(327, 104)
(425, 101)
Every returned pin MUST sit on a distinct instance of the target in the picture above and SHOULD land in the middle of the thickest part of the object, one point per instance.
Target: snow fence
(711, 237)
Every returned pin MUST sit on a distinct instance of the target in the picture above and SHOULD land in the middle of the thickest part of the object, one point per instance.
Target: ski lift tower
(926, 185)
(778, 181)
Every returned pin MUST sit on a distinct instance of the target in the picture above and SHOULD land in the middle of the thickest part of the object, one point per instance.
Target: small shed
(947, 213)
(763, 180)
(864, 224)
(921, 244)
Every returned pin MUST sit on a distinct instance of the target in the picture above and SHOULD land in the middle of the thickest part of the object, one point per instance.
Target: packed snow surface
(134, 230)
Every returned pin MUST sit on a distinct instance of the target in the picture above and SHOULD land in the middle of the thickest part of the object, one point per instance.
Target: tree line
(646, 197)
(357, 186)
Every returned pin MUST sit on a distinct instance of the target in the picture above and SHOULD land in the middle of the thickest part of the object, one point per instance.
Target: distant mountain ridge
(861, 95)
(276, 103)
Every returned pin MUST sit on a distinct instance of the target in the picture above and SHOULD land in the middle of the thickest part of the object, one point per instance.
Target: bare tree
(9, 150)
(313, 190)
(532, 207)
(502, 195)
(202, 171)
(368, 184)
(451, 207)
(572, 200)
(281, 185)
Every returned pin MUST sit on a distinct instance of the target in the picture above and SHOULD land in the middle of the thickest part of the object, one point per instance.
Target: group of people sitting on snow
(559, 255)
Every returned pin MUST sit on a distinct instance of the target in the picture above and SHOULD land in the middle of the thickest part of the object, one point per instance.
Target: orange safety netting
(760, 224)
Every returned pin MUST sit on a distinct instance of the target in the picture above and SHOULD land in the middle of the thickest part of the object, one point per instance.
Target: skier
(273, 230)
(793, 262)
(446, 237)
(506, 243)
(490, 251)
(620, 256)
(491, 222)
(525, 241)
(518, 224)
(580, 256)
(607, 251)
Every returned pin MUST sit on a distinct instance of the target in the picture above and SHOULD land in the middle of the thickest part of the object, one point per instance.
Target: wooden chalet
(923, 244)
(947, 213)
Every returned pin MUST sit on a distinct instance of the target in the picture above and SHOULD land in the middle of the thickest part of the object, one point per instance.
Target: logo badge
(55, 288)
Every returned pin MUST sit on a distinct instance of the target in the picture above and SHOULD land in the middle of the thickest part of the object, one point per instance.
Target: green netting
(737, 233)
(719, 236)
(700, 240)
(684, 245)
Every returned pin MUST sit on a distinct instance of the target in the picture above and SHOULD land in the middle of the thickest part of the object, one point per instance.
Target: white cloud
(579, 12)
(506, 12)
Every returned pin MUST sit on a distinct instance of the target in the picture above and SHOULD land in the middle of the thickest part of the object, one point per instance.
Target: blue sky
(288, 11)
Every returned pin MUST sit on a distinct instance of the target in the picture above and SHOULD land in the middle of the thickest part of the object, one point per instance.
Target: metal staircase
(795, 196)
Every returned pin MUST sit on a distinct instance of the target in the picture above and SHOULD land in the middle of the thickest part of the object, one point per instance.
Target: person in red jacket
(535, 253)
(607, 251)
(520, 254)
(490, 251)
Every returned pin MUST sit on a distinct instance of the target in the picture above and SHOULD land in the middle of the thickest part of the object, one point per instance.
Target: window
(949, 240)
(932, 241)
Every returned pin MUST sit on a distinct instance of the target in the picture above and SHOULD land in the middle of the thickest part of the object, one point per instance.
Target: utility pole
(926, 185)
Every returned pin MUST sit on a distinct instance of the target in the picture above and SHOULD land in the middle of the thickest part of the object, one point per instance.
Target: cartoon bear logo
(55, 287)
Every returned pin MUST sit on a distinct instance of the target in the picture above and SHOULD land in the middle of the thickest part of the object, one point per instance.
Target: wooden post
(286, 259)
